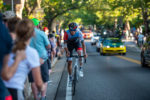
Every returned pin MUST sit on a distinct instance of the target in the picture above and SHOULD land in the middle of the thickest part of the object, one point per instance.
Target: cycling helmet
(35, 21)
(8, 14)
(73, 26)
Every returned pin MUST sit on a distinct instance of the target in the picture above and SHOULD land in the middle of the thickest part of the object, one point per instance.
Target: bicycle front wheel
(74, 81)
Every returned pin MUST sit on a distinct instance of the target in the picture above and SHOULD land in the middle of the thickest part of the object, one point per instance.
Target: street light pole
(12, 5)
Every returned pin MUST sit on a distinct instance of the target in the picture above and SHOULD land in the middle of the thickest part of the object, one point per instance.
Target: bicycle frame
(75, 73)
(76, 69)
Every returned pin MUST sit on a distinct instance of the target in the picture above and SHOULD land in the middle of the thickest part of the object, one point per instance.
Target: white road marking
(68, 91)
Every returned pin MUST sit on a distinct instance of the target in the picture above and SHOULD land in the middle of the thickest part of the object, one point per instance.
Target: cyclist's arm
(65, 41)
(83, 43)
(84, 47)
(65, 46)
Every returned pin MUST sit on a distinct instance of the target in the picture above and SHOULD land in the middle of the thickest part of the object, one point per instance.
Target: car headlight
(122, 46)
(107, 46)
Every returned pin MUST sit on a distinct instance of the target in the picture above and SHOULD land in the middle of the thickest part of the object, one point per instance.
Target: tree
(56, 8)
(144, 7)
(31, 6)
(1, 4)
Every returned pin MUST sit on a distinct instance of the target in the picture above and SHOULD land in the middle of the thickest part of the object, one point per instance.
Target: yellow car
(111, 46)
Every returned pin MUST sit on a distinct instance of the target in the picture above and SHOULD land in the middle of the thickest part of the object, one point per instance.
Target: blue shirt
(39, 42)
(5, 48)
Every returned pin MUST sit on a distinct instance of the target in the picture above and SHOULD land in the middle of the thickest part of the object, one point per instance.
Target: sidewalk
(131, 44)
(55, 78)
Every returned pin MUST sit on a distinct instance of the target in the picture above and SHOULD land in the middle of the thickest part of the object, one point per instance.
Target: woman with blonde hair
(15, 85)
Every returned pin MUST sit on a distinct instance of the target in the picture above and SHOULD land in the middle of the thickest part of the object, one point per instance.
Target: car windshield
(115, 41)
(112, 41)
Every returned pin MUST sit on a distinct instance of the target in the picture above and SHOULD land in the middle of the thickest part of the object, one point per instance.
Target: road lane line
(68, 91)
(129, 59)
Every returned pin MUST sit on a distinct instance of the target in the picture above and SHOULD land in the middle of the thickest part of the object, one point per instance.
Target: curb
(54, 62)
(56, 77)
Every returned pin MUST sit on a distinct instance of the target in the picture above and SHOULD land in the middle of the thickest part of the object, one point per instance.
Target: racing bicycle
(76, 73)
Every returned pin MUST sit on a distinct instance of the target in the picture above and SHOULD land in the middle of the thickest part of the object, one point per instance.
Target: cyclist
(73, 39)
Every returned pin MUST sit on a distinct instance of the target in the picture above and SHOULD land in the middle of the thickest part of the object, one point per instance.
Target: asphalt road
(110, 77)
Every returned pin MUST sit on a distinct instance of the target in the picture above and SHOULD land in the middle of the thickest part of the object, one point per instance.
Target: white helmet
(8, 14)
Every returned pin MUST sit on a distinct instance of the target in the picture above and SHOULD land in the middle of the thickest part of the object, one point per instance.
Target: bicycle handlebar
(77, 56)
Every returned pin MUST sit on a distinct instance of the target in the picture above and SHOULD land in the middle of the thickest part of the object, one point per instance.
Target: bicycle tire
(74, 81)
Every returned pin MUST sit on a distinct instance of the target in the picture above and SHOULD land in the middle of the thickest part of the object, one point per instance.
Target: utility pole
(12, 5)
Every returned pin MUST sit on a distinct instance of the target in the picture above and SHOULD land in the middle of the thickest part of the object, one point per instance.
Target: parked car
(145, 55)
(111, 46)
(95, 38)
(87, 34)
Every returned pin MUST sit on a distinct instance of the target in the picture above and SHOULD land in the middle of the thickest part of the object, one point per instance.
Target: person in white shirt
(15, 85)
(140, 39)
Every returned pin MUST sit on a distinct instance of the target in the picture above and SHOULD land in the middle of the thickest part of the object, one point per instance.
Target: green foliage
(88, 12)
(57, 8)
(4, 7)
(1, 4)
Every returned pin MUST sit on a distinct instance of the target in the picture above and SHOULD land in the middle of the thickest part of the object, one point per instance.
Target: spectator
(53, 32)
(12, 23)
(48, 50)
(46, 30)
(5, 49)
(140, 40)
(40, 42)
(15, 85)
(53, 46)
(8, 15)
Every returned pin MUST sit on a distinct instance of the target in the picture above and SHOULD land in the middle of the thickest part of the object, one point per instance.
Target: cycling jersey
(73, 38)
(73, 41)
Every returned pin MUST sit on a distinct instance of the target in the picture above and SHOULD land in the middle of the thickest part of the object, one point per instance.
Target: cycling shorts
(77, 46)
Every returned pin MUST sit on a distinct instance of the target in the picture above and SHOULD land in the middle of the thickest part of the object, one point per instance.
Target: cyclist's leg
(79, 50)
(70, 67)
(80, 53)
(69, 59)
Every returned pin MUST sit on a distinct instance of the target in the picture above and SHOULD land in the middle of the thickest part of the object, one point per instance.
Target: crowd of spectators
(26, 51)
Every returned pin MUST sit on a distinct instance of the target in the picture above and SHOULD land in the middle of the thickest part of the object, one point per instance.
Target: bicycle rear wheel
(74, 81)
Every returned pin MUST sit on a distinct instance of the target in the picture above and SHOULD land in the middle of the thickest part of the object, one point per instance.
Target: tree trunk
(50, 24)
(127, 28)
(116, 23)
(39, 3)
(146, 23)
(32, 9)
(19, 8)
(53, 26)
